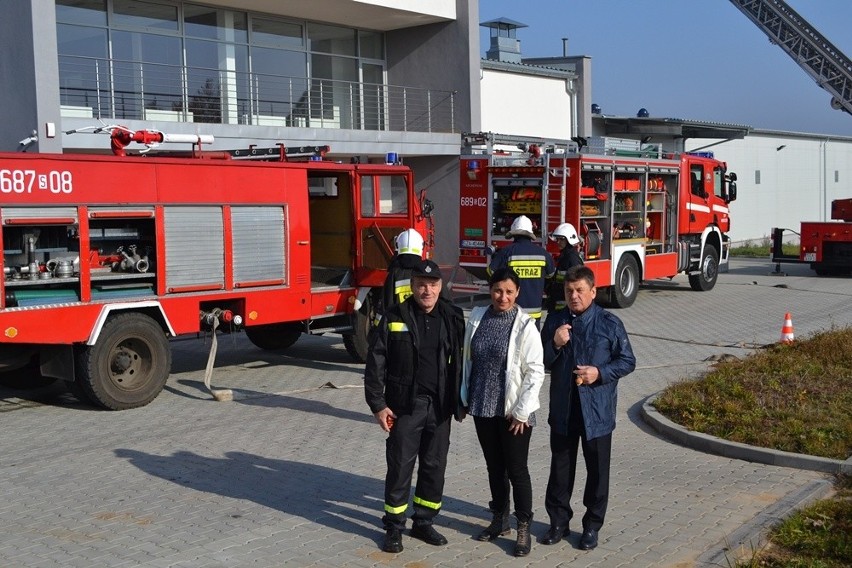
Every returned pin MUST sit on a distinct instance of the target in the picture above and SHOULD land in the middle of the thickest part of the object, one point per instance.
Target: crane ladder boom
(820, 59)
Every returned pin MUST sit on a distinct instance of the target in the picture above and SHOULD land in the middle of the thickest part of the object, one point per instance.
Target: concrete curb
(752, 536)
(718, 446)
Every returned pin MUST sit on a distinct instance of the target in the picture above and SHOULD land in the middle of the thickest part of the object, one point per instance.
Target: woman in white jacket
(502, 375)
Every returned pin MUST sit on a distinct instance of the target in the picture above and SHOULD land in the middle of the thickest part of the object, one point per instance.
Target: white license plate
(810, 257)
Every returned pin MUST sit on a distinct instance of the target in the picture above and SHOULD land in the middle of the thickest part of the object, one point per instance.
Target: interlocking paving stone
(292, 475)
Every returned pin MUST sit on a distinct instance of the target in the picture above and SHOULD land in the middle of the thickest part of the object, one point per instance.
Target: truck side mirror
(732, 190)
(426, 205)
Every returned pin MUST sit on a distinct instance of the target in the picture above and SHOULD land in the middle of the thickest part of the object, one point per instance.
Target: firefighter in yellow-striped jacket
(533, 264)
(397, 286)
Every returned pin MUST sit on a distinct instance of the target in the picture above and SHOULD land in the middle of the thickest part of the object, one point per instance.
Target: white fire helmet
(568, 231)
(521, 226)
(409, 242)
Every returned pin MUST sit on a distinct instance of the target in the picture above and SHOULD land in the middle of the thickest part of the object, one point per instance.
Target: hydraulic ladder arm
(820, 59)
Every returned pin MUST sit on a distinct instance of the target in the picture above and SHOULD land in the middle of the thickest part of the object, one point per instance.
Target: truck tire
(128, 365)
(708, 270)
(274, 336)
(357, 342)
(626, 283)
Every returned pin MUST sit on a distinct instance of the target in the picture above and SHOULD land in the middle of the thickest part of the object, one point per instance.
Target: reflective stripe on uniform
(527, 266)
(402, 290)
(395, 510)
(397, 326)
(425, 503)
(534, 313)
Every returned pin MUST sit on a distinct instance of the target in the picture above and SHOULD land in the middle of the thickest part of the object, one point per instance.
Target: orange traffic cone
(787, 335)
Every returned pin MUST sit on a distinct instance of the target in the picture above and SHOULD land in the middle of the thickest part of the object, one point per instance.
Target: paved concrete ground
(291, 474)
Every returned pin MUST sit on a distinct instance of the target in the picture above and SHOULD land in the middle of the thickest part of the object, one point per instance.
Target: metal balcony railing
(114, 89)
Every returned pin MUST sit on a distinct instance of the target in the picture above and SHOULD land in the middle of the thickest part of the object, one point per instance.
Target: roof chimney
(564, 47)
(504, 45)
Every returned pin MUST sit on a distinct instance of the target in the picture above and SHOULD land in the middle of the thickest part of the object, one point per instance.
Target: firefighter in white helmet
(533, 264)
(397, 287)
(568, 242)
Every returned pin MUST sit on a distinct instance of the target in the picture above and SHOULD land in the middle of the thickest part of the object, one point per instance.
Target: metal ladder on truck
(820, 59)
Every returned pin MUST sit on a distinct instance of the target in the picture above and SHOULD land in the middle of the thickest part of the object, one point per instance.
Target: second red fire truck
(642, 214)
(106, 257)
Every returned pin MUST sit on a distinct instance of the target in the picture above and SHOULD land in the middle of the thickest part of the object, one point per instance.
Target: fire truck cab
(106, 257)
(641, 213)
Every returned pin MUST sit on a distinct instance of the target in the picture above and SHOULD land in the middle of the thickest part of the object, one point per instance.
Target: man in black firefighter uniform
(533, 264)
(411, 382)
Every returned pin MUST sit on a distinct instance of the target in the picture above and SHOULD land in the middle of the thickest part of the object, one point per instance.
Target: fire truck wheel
(356, 343)
(128, 365)
(274, 336)
(626, 284)
(708, 271)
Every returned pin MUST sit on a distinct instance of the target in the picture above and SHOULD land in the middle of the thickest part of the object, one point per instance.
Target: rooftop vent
(505, 46)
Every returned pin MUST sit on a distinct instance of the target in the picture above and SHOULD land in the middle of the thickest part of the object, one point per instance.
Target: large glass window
(331, 39)
(210, 23)
(279, 84)
(275, 33)
(83, 70)
(147, 67)
(147, 15)
(371, 45)
(374, 99)
(217, 81)
(175, 60)
(90, 12)
(335, 97)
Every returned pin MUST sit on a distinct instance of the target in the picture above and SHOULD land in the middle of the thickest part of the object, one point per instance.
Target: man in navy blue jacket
(587, 351)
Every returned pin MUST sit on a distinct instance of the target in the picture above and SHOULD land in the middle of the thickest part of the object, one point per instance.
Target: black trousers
(563, 470)
(422, 435)
(506, 458)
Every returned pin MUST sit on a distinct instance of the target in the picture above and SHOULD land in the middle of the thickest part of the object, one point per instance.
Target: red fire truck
(106, 257)
(642, 214)
(826, 246)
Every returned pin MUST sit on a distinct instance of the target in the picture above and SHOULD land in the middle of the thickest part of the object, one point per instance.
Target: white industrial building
(784, 177)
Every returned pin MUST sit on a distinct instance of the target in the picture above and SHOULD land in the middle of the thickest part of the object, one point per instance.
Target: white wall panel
(525, 105)
(797, 181)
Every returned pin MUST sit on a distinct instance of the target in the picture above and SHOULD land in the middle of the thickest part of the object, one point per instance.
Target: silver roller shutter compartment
(259, 244)
(195, 249)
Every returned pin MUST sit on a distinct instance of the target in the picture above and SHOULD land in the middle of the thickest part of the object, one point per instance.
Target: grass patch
(761, 247)
(818, 536)
(794, 398)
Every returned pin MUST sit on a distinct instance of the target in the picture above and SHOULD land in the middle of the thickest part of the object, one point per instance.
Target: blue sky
(691, 59)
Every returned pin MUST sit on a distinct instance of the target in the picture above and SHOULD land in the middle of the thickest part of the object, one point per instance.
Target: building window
(756, 177)
(144, 15)
(84, 12)
(172, 60)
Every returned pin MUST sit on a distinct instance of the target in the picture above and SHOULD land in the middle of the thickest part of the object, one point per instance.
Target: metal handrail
(117, 89)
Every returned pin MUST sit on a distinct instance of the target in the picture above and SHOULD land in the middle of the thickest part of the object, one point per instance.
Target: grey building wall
(441, 56)
(29, 95)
